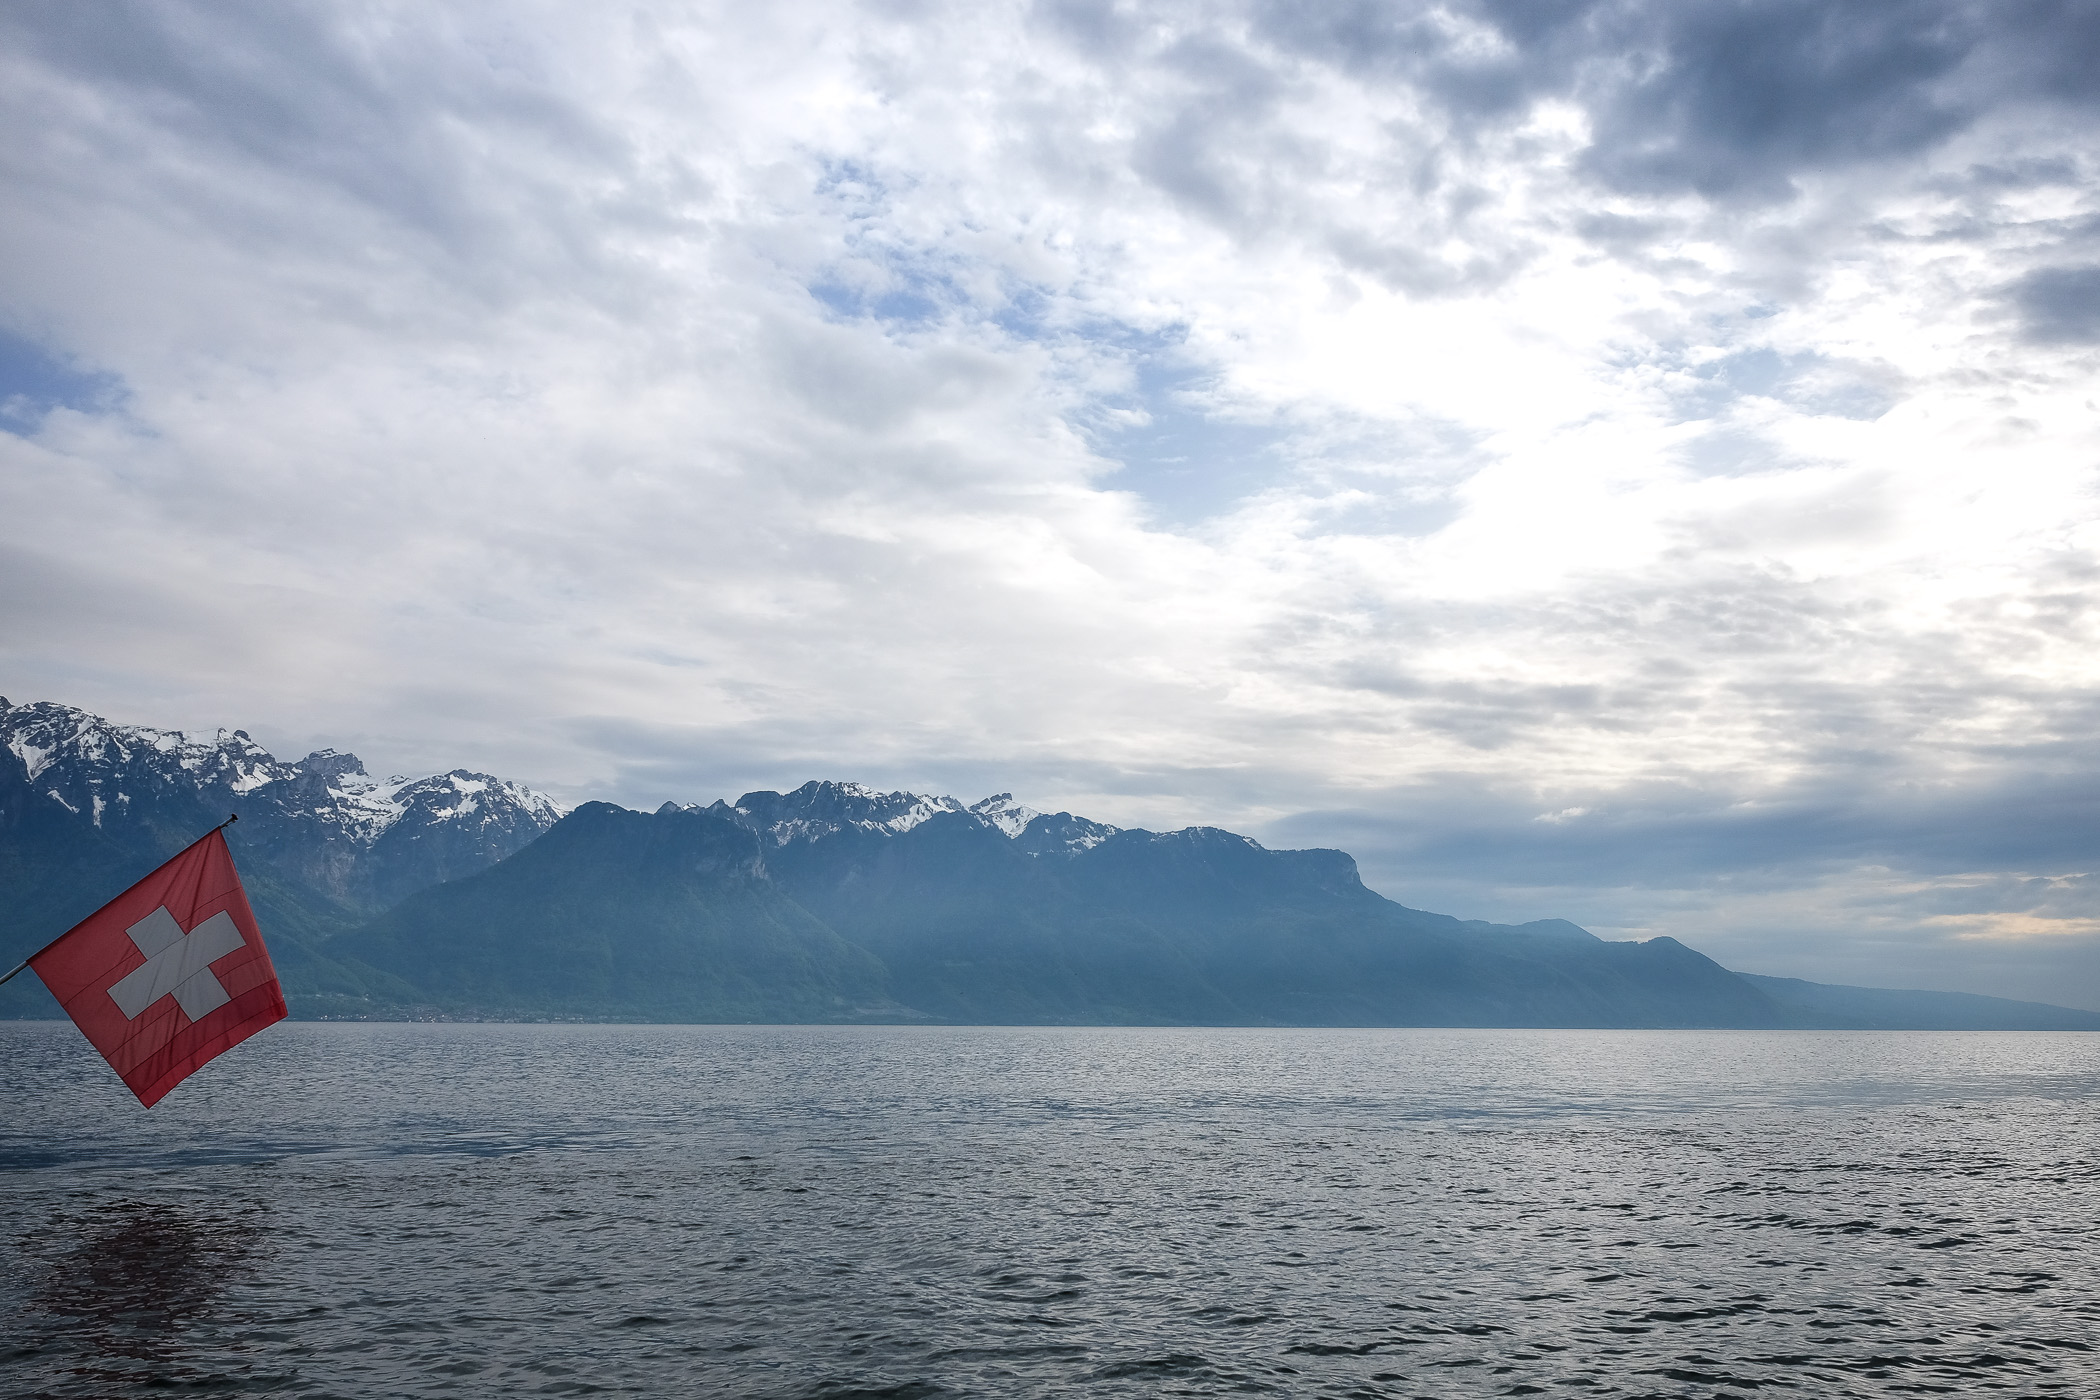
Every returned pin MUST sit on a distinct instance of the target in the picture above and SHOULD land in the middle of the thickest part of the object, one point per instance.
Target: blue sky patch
(1189, 464)
(33, 381)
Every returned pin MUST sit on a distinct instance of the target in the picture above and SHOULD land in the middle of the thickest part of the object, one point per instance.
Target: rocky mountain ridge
(698, 913)
(87, 805)
(93, 767)
(462, 894)
(819, 809)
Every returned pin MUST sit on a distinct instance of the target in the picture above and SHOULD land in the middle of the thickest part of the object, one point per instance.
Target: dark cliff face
(619, 915)
(686, 847)
(834, 916)
(1203, 870)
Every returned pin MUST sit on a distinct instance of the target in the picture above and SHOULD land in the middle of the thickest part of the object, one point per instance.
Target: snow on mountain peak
(1062, 834)
(819, 809)
(88, 763)
(70, 744)
(1002, 811)
(460, 794)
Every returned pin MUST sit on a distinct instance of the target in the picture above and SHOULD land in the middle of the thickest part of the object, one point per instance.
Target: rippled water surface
(847, 1212)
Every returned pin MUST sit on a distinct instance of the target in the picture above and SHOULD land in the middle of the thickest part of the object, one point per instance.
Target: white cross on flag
(169, 974)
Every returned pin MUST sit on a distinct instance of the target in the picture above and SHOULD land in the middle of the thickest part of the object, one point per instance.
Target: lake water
(818, 1214)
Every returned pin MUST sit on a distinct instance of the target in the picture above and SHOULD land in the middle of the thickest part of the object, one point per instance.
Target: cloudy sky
(1627, 461)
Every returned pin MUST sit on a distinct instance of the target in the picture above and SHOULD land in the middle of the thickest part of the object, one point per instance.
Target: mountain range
(464, 895)
(88, 806)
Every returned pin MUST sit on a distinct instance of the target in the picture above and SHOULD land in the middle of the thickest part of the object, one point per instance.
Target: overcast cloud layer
(1629, 461)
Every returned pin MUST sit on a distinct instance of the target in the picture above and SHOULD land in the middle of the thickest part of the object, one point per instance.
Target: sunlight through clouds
(1363, 425)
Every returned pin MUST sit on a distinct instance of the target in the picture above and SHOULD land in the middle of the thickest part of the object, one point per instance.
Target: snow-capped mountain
(1002, 811)
(93, 767)
(321, 821)
(1062, 834)
(820, 809)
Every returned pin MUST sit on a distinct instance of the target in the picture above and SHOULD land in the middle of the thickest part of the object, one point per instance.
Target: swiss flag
(169, 974)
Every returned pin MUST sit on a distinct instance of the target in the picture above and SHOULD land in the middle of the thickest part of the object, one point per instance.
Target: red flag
(169, 974)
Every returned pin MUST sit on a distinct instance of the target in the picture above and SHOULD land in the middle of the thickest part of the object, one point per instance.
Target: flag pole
(230, 820)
